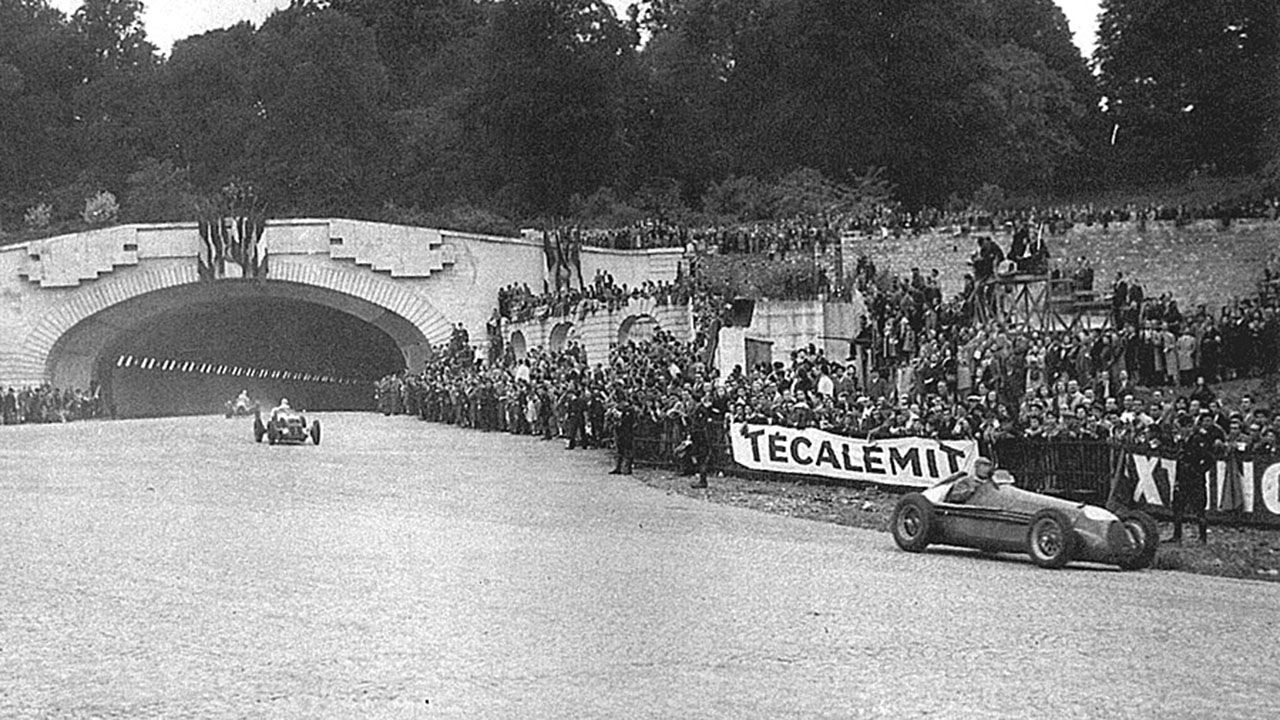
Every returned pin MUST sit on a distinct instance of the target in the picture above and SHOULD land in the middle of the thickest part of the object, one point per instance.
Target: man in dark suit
(705, 425)
(575, 418)
(1196, 455)
(624, 434)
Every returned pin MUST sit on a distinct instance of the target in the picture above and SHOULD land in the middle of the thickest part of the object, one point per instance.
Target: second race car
(991, 514)
(285, 426)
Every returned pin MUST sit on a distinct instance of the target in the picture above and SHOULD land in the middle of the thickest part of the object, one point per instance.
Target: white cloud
(168, 21)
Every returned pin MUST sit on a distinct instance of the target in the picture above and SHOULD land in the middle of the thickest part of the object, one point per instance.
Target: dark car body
(999, 517)
(286, 427)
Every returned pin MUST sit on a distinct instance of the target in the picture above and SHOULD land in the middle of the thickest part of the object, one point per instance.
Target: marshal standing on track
(1195, 458)
(705, 424)
(624, 434)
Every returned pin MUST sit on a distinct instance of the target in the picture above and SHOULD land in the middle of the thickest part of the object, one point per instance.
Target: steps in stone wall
(400, 251)
(69, 260)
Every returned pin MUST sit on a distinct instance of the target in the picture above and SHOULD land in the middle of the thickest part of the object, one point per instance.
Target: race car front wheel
(912, 522)
(1145, 534)
(1051, 542)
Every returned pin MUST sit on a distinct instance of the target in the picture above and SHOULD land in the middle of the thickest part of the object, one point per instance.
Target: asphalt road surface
(173, 568)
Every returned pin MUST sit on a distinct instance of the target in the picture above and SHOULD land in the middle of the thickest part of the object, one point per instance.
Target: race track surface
(173, 569)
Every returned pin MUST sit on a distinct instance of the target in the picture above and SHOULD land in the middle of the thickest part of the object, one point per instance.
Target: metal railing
(1079, 469)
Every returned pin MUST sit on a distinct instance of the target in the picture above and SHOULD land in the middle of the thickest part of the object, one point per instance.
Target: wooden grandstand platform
(1041, 302)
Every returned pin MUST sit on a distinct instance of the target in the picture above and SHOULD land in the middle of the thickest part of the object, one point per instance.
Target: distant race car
(285, 426)
(999, 517)
(241, 407)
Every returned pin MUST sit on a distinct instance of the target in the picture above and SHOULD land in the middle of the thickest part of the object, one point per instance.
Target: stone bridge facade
(63, 300)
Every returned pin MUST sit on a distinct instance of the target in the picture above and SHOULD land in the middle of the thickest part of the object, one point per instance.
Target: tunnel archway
(271, 325)
(637, 328)
(519, 346)
(559, 336)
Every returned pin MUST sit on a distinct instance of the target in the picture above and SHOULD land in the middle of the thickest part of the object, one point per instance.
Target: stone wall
(789, 325)
(1199, 263)
(431, 278)
(598, 331)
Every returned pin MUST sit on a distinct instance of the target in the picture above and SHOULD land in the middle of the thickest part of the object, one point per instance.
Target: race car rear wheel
(1145, 534)
(1051, 542)
(315, 431)
(912, 522)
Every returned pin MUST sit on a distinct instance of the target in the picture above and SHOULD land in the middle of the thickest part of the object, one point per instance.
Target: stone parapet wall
(1198, 263)
(427, 278)
(597, 332)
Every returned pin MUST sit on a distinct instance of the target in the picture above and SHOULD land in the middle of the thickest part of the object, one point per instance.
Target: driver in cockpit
(965, 487)
(283, 407)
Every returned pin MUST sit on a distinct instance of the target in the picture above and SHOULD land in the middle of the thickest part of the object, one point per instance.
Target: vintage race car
(285, 427)
(240, 407)
(999, 517)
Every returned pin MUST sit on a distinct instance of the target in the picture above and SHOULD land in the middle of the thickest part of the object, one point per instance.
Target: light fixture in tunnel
(196, 368)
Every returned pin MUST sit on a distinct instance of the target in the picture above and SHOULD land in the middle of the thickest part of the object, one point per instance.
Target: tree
(320, 91)
(112, 33)
(412, 33)
(946, 94)
(1035, 118)
(159, 192)
(213, 120)
(1189, 85)
(545, 108)
(40, 68)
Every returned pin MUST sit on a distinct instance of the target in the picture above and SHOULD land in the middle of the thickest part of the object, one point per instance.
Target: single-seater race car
(242, 406)
(285, 426)
(998, 517)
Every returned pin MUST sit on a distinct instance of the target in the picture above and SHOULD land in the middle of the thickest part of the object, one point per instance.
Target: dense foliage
(1191, 86)
(508, 111)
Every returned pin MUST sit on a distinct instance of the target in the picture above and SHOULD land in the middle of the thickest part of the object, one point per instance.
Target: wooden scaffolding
(1041, 302)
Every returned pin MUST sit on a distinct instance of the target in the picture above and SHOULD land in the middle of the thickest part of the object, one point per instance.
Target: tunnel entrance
(193, 359)
(188, 348)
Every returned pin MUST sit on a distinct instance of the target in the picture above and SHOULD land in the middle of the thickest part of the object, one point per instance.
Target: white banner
(907, 462)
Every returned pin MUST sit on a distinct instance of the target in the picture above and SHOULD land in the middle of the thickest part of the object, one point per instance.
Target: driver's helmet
(983, 467)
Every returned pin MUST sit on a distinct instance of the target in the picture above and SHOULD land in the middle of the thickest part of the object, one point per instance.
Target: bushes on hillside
(159, 192)
(100, 209)
(38, 216)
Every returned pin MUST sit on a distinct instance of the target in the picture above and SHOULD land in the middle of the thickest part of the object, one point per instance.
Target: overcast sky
(170, 20)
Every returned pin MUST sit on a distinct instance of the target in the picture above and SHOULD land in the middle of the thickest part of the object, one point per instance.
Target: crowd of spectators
(939, 356)
(779, 237)
(558, 394)
(561, 395)
(1059, 219)
(774, 238)
(516, 303)
(934, 368)
(46, 404)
